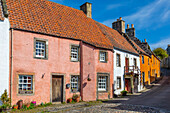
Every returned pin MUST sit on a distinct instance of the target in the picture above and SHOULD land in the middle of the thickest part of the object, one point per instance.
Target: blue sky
(151, 18)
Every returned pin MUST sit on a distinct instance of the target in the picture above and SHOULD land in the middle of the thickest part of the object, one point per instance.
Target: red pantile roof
(1, 13)
(47, 17)
(116, 39)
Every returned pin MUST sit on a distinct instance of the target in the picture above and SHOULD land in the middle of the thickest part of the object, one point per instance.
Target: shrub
(124, 93)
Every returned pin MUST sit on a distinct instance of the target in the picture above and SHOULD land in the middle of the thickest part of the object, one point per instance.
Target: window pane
(74, 53)
(74, 83)
(25, 83)
(102, 83)
(40, 49)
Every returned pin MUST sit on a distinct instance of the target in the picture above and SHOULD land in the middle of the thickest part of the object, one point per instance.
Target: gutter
(11, 64)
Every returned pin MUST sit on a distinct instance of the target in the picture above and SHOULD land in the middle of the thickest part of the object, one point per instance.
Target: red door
(127, 85)
(127, 65)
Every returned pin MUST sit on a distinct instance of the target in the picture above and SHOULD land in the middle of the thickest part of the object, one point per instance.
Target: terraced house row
(50, 51)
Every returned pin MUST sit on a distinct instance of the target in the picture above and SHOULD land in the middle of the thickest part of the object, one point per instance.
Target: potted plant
(69, 100)
(15, 106)
(20, 104)
(124, 93)
(34, 102)
(76, 98)
(27, 105)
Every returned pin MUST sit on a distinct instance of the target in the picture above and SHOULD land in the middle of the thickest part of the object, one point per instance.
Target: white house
(4, 49)
(124, 63)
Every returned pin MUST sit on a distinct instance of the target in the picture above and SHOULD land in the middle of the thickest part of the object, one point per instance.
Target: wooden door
(127, 65)
(57, 89)
(127, 85)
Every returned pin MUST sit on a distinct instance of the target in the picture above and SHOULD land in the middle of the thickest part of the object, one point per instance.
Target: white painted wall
(119, 71)
(4, 55)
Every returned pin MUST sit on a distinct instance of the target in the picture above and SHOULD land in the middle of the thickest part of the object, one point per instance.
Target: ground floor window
(118, 82)
(25, 84)
(75, 83)
(102, 83)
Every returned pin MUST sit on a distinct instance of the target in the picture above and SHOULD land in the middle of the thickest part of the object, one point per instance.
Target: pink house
(56, 51)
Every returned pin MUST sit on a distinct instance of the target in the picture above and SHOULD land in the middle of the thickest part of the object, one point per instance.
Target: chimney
(145, 40)
(87, 9)
(119, 25)
(130, 31)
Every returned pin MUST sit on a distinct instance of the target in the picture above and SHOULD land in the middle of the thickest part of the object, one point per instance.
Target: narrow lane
(157, 97)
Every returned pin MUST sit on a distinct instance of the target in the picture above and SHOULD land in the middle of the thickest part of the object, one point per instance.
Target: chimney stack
(87, 9)
(119, 25)
(130, 31)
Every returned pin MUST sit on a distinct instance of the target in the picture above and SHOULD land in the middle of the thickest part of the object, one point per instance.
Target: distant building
(168, 49)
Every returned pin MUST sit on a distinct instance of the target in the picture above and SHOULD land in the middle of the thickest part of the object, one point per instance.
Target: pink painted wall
(91, 66)
(58, 62)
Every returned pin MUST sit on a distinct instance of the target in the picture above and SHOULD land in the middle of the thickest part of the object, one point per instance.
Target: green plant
(5, 99)
(31, 106)
(75, 96)
(124, 93)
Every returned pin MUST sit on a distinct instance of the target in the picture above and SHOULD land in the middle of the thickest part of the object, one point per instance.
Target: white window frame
(23, 83)
(119, 83)
(40, 47)
(118, 61)
(102, 83)
(102, 56)
(74, 82)
(74, 53)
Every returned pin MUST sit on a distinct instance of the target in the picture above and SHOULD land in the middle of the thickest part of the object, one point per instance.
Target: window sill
(41, 58)
(102, 91)
(74, 61)
(103, 61)
(26, 94)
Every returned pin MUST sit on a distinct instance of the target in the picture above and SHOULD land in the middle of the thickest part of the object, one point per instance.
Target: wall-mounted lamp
(89, 79)
(67, 86)
(43, 75)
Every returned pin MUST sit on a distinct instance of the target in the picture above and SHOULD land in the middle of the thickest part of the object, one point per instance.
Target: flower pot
(77, 99)
(28, 105)
(15, 107)
(69, 100)
(20, 104)
(34, 102)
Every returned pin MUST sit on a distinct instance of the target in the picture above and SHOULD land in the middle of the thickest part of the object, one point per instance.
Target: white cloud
(163, 44)
(156, 13)
(113, 6)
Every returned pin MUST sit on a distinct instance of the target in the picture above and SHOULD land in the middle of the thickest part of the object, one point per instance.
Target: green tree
(161, 53)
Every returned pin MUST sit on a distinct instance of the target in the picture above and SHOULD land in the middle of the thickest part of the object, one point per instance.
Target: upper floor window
(118, 62)
(143, 60)
(74, 53)
(135, 62)
(40, 48)
(103, 56)
(25, 84)
(148, 61)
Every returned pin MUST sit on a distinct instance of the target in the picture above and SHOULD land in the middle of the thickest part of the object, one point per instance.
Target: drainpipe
(11, 65)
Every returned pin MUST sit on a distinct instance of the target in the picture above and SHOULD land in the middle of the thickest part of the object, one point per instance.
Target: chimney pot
(120, 18)
(132, 25)
(145, 40)
(127, 26)
(117, 19)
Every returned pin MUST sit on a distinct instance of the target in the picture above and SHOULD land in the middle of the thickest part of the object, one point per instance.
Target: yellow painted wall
(145, 68)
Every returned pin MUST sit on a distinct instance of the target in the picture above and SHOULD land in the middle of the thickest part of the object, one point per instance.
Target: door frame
(60, 75)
